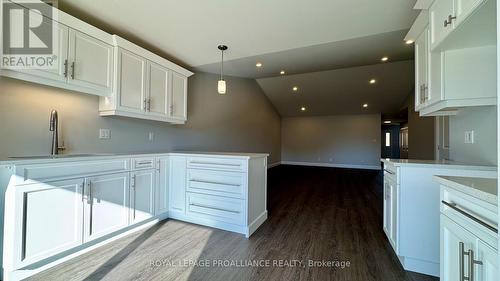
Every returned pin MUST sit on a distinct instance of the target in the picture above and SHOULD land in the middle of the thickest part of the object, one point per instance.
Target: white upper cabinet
(84, 58)
(441, 20)
(90, 62)
(131, 82)
(158, 90)
(149, 87)
(421, 69)
(463, 8)
(179, 97)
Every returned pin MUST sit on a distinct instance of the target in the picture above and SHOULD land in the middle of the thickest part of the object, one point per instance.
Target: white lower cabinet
(162, 183)
(106, 206)
(50, 219)
(391, 210)
(177, 190)
(142, 189)
(468, 247)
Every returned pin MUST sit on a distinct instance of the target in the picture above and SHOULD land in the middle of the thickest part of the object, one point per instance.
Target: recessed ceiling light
(303, 108)
(373, 81)
(259, 64)
(384, 59)
(387, 122)
(295, 88)
(282, 72)
(409, 42)
(365, 105)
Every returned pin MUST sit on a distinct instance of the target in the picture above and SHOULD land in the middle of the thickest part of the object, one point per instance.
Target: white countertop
(101, 156)
(481, 188)
(437, 164)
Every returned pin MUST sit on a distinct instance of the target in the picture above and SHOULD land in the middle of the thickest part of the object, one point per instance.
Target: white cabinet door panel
(465, 7)
(179, 97)
(161, 195)
(131, 79)
(53, 218)
(438, 13)
(91, 62)
(142, 195)
(106, 207)
(177, 188)
(158, 90)
(488, 270)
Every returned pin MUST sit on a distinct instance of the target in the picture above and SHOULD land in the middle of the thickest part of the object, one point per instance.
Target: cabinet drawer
(65, 170)
(224, 164)
(222, 183)
(216, 208)
(143, 163)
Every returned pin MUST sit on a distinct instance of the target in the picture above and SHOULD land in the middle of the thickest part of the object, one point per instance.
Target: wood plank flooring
(314, 214)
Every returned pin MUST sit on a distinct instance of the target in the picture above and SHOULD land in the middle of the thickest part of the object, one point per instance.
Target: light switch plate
(469, 137)
(104, 134)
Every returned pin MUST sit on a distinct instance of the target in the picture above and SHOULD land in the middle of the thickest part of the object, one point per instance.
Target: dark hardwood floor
(317, 214)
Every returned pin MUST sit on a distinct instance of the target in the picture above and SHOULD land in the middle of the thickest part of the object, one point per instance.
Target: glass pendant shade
(221, 87)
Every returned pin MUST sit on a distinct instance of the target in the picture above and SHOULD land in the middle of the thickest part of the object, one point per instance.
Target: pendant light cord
(222, 65)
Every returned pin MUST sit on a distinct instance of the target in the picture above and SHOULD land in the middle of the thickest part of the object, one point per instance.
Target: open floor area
(315, 214)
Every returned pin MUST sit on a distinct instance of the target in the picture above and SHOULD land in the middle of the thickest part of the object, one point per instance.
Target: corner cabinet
(148, 86)
(458, 33)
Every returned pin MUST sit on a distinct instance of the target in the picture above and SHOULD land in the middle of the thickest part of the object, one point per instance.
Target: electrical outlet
(151, 136)
(104, 134)
(469, 137)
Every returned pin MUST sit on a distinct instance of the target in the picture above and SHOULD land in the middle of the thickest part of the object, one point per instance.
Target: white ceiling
(342, 91)
(300, 36)
(190, 30)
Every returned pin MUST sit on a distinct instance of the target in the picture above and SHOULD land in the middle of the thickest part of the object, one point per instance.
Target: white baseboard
(256, 223)
(269, 166)
(332, 165)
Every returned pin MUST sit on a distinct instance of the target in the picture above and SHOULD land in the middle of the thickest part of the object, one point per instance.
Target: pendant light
(221, 85)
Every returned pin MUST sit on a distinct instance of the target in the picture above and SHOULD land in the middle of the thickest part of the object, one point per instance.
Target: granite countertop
(101, 156)
(437, 164)
(481, 188)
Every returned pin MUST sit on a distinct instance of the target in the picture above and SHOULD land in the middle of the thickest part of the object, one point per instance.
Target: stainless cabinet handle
(73, 70)
(82, 186)
(213, 208)
(149, 104)
(389, 172)
(89, 190)
(472, 263)
(66, 68)
(461, 211)
(144, 104)
(214, 182)
(461, 263)
(449, 20)
(132, 184)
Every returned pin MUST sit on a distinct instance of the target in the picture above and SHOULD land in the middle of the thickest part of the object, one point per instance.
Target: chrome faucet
(53, 127)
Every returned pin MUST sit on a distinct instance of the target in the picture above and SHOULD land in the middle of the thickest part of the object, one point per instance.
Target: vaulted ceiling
(300, 37)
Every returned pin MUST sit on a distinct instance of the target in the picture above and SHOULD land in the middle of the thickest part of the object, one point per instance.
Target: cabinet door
(452, 259)
(142, 195)
(177, 188)
(421, 67)
(90, 63)
(59, 72)
(106, 207)
(387, 209)
(131, 82)
(158, 90)
(161, 195)
(465, 7)
(178, 98)
(438, 13)
(488, 270)
(52, 219)
(393, 187)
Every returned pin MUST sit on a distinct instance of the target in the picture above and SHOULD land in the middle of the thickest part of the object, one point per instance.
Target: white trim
(269, 166)
(256, 223)
(333, 165)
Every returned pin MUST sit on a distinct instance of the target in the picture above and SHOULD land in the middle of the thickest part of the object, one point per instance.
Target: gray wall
(350, 140)
(421, 134)
(483, 121)
(243, 120)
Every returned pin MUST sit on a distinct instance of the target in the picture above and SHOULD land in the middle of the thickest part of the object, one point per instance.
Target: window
(387, 139)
